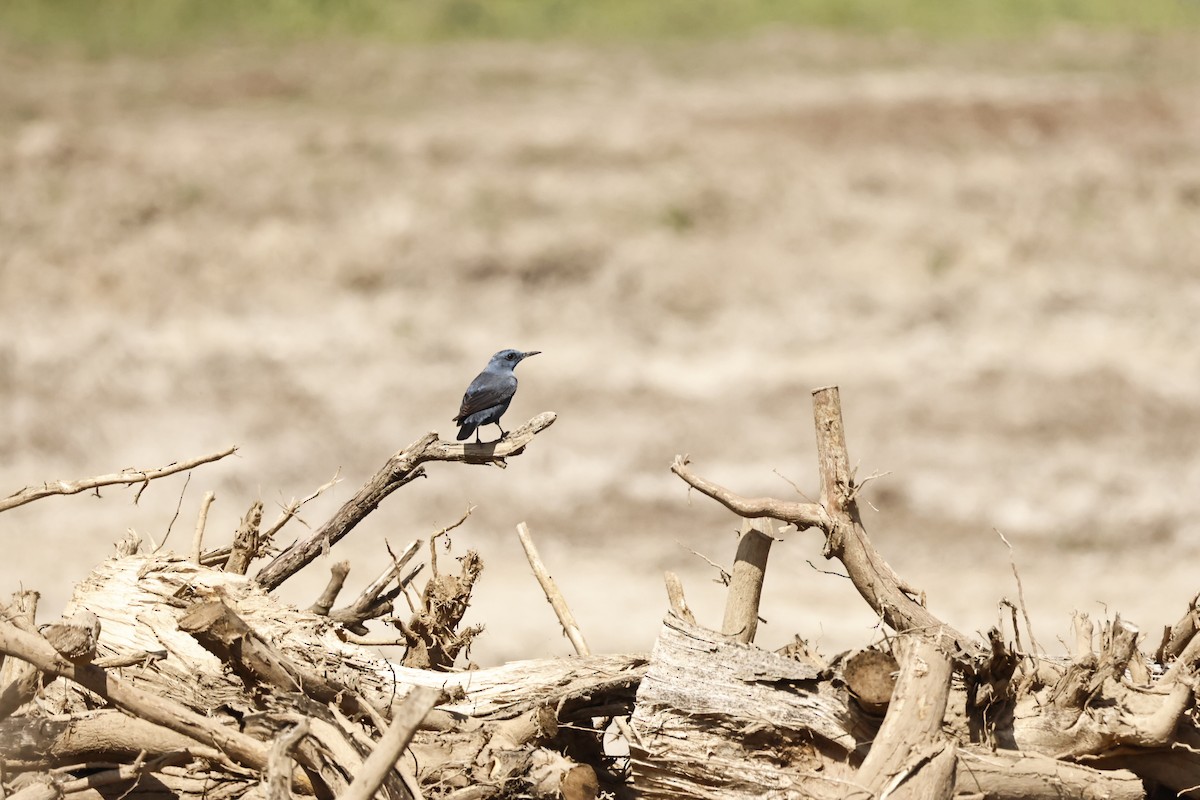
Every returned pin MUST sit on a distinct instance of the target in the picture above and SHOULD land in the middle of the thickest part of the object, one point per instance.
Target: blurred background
(302, 227)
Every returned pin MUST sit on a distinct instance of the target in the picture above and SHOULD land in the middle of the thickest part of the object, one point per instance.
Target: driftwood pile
(184, 677)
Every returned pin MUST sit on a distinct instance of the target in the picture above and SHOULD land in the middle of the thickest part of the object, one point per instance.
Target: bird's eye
(511, 356)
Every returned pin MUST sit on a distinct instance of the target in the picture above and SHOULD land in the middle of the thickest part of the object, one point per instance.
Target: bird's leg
(477, 440)
(502, 433)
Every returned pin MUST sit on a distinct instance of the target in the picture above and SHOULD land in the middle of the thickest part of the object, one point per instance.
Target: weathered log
(717, 718)
(37, 742)
(135, 599)
(157, 709)
(234, 646)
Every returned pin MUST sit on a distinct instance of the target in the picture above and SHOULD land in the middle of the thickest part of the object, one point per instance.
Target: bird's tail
(465, 431)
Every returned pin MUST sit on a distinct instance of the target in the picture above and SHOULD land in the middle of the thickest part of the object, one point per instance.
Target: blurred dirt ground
(994, 251)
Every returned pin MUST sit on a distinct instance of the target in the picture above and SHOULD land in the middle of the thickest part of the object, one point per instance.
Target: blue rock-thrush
(488, 396)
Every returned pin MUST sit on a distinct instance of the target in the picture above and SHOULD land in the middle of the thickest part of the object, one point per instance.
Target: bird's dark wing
(485, 393)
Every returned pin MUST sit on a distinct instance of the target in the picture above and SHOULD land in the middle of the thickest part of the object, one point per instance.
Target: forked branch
(836, 515)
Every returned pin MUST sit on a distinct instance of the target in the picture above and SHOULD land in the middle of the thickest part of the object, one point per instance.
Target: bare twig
(143, 657)
(1033, 644)
(401, 468)
(433, 539)
(550, 588)
(288, 512)
(125, 477)
(795, 486)
(723, 576)
(179, 505)
(201, 521)
(419, 702)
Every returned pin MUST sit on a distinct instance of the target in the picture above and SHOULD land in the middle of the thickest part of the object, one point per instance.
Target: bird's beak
(530, 353)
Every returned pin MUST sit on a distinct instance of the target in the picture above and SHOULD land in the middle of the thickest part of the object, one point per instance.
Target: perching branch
(836, 515)
(400, 469)
(125, 477)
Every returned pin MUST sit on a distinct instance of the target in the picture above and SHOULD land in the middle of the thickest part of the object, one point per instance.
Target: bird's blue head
(510, 358)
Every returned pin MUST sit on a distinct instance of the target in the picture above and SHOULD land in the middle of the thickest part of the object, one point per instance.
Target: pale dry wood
(246, 540)
(129, 659)
(280, 765)
(870, 676)
(387, 752)
(553, 594)
(1186, 663)
(486, 759)
(223, 633)
(911, 757)
(201, 522)
(1009, 775)
(1093, 712)
(102, 734)
(837, 517)
(802, 515)
(846, 539)
(111, 777)
(373, 602)
(403, 467)
(18, 679)
(746, 581)
(720, 719)
(74, 638)
(134, 597)
(337, 578)
(1176, 638)
(1084, 631)
(676, 597)
(181, 783)
(125, 477)
(153, 708)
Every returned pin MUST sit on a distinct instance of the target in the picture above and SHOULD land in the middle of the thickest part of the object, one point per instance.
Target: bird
(488, 396)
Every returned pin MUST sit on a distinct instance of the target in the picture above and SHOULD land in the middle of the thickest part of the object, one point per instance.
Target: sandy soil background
(993, 250)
